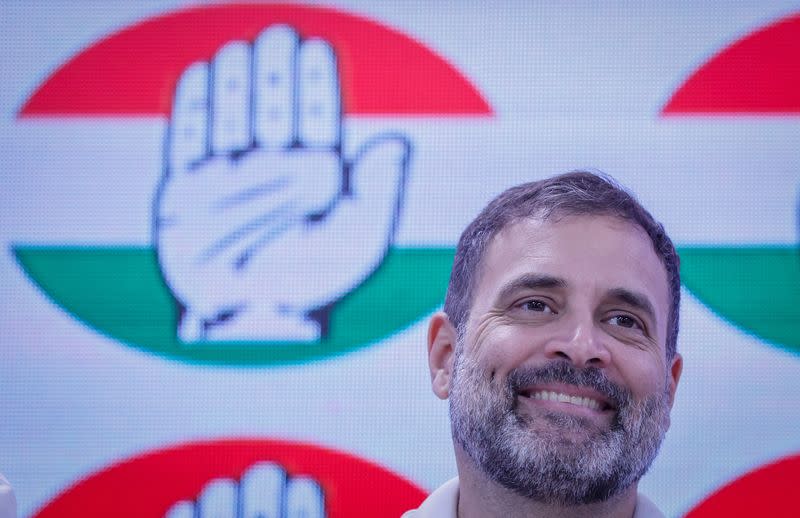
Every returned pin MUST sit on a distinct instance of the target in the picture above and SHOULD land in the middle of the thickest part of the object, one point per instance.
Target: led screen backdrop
(184, 334)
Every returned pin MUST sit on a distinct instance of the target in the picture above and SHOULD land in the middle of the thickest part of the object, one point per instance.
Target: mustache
(565, 372)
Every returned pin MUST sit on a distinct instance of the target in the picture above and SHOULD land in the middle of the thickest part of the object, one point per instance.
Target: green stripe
(756, 288)
(119, 292)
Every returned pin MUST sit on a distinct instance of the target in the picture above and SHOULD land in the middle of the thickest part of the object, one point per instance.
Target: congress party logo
(272, 243)
(248, 478)
(757, 288)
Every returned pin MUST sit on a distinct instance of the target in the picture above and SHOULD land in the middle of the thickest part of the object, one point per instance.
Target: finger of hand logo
(319, 116)
(188, 140)
(274, 87)
(304, 499)
(262, 490)
(218, 499)
(230, 106)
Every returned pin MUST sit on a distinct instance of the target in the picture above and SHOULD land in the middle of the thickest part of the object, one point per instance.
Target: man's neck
(479, 497)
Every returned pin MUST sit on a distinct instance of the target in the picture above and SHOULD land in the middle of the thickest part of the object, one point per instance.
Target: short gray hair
(571, 194)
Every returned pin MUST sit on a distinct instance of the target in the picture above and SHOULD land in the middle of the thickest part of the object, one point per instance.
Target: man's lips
(562, 395)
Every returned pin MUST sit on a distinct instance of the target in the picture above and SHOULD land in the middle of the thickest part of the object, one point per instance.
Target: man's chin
(564, 428)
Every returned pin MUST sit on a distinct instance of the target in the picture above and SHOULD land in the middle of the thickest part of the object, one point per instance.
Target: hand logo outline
(257, 201)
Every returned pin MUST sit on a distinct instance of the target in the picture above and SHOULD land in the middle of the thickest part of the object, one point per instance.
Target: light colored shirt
(8, 502)
(443, 503)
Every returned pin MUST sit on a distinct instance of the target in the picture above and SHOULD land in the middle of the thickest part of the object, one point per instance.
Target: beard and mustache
(533, 456)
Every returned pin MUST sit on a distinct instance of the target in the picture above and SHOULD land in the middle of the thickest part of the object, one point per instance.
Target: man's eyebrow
(530, 281)
(635, 300)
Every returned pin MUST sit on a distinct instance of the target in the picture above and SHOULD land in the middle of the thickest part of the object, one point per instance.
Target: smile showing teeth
(546, 395)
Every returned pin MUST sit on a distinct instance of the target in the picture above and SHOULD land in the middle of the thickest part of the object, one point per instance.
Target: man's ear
(674, 376)
(441, 349)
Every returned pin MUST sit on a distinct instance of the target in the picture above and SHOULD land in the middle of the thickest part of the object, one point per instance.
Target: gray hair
(572, 194)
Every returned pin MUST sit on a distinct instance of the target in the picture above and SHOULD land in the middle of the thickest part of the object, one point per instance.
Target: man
(557, 350)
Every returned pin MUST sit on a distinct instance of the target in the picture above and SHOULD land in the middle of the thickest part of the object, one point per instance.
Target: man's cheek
(503, 349)
(645, 380)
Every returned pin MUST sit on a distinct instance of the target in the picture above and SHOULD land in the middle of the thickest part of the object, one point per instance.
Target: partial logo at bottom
(239, 478)
(766, 490)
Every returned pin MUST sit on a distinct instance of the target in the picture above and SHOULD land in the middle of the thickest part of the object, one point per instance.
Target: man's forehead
(594, 245)
(526, 233)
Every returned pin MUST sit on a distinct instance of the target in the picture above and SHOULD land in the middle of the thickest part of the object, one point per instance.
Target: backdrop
(224, 228)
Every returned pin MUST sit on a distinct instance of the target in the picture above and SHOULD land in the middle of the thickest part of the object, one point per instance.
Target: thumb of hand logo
(260, 222)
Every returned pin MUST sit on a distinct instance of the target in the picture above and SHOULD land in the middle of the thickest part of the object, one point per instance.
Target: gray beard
(545, 465)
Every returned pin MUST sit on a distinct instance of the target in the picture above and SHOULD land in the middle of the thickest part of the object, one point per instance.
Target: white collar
(443, 503)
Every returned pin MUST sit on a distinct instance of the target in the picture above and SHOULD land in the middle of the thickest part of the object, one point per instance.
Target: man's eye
(537, 305)
(624, 321)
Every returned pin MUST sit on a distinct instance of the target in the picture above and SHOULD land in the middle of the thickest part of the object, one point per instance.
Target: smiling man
(557, 350)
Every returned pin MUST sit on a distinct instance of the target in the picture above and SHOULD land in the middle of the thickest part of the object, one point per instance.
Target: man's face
(561, 390)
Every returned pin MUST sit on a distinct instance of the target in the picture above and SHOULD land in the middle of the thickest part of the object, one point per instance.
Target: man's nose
(581, 342)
